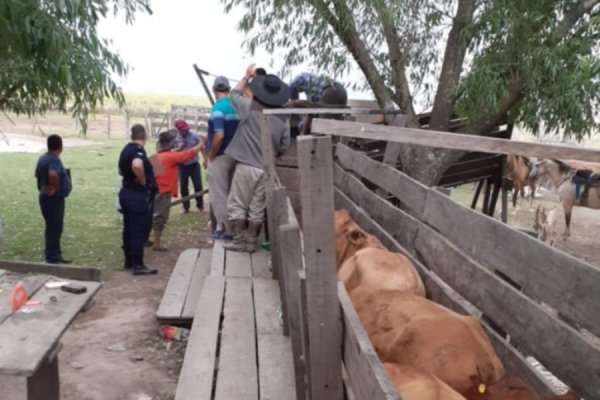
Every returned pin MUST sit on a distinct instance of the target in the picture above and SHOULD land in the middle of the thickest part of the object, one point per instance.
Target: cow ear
(357, 237)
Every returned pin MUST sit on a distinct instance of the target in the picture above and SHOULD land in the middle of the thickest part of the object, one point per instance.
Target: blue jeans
(53, 211)
(138, 208)
(193, 172)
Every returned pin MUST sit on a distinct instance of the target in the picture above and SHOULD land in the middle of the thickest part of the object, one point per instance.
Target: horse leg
(567, 210)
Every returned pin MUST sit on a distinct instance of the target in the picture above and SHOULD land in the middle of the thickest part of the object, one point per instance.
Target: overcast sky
(161, 48)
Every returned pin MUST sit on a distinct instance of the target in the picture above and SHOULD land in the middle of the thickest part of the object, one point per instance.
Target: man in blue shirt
(54, 185)
(222, 125)
(186, 139)
(319, 88)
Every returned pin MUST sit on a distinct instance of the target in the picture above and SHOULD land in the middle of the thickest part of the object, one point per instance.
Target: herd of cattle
(429, 351)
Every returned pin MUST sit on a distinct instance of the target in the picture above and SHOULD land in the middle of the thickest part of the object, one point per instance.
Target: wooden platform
(178, 304)
(236, 349)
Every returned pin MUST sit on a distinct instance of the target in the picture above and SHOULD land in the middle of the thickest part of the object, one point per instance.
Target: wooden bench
(29, 343)
(178, 304)
(236, 349)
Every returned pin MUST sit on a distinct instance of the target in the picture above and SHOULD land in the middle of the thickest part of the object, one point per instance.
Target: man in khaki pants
(247, 197)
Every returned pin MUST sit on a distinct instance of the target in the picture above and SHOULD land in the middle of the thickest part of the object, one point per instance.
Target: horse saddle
(587, 178)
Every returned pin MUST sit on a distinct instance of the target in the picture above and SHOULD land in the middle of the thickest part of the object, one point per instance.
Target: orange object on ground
(18, 297)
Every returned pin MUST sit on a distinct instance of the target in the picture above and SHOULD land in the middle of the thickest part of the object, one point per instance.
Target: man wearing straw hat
(247, 197)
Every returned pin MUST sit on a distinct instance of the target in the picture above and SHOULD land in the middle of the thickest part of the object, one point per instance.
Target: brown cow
(410, 330)
(349, 237)
(380, 269)
(513, 389)
(413, 384)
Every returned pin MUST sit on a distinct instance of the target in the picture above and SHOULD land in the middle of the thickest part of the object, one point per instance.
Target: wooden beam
(292, 262)
(60, 271)
(367, 377)
(546, 274)
(452, 141)
(315, 160)
(338, 111)
(45, 383)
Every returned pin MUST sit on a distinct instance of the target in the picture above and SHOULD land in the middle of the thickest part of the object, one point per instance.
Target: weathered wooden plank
(569, 355)
(410, 192)
(217, 266)
(292, 263)
(316, 178)
(60, 271)
(280, 216)
(45, 384)
(545, 274)
(173, 300)
(238, 375)
(238, 264)
(289, 177)
(31, 284)
(439, 292)
(402, 226)
(26, 341)
(275, 360)
(201, 271)
(302, 111)
(453, 141)
(260, 264)
(198, 370)
(368, 378)
(303, 303)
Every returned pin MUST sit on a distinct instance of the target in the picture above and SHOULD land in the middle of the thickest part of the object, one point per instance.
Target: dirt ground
(114, 351)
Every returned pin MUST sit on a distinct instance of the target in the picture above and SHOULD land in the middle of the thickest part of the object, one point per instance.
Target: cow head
(349, 237)
(513, 389)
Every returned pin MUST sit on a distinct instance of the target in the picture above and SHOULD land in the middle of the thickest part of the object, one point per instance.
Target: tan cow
(410, 330)
(413, 384)
(380, 269)
(349, 237)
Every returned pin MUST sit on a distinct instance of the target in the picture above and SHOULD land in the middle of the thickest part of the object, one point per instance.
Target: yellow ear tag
(481, 388)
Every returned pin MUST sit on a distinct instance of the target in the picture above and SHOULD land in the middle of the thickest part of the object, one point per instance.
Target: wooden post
(291, 260)
(278, 217)
(126, 123)
(476, 195)
(315, 160)
(44, 384)
(108, 123)
(303, 303)
(148, 130)
(392, 150)
(504, 191)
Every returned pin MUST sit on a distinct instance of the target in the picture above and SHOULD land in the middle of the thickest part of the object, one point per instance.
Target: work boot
(252, 233)
(238, 227)
(143, 270)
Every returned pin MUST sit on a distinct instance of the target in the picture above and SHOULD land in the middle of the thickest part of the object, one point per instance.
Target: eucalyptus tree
(52, 58)
(484, 60)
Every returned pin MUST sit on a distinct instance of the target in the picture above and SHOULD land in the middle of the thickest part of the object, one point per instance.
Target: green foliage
(535, 61)
(52, 58)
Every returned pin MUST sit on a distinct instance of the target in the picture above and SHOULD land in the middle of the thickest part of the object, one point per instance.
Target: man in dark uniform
(137, 200)
(54, 185)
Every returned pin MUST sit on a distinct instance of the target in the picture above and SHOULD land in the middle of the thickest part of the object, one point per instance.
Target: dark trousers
(137, 209)
(193, 172)
(53, 211)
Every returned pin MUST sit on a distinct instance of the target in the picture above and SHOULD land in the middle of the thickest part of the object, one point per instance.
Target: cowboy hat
(270, 90)
(166, 141)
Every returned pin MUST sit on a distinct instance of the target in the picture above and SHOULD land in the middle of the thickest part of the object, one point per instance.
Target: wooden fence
(531, 299)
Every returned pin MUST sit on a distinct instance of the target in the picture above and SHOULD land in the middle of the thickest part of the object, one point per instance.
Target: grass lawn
(92, 233)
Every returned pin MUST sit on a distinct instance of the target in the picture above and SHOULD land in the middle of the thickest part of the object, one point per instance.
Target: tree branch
(345, 28)
(456, 49)
(397, 60)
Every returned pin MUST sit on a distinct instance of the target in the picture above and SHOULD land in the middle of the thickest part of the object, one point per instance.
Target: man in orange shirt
(167, 181)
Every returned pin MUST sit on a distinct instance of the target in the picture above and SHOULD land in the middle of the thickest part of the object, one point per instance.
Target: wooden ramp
(181, 296)
(236, 349)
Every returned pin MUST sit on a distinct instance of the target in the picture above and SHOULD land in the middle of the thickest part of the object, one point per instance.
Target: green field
(92, 235)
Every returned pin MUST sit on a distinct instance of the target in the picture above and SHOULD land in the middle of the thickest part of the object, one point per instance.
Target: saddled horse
(561, 176)
(521, 171)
